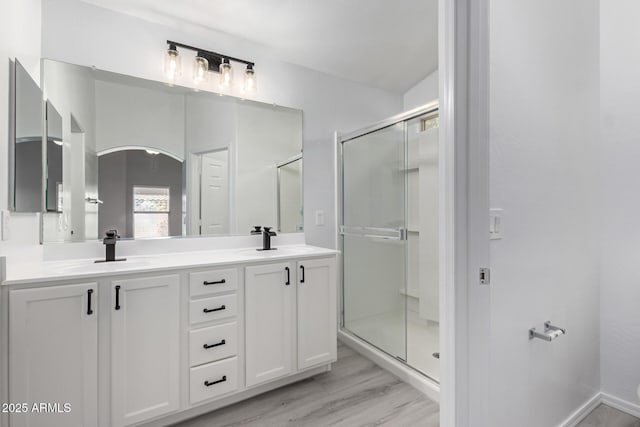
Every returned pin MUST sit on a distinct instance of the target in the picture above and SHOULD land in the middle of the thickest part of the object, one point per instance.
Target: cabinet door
(317, 321)
(53, 355)
(270, 322)
(145, 339)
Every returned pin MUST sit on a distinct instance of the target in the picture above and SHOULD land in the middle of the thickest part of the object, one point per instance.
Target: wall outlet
(4, 224)
(320, 218)
(495, 224)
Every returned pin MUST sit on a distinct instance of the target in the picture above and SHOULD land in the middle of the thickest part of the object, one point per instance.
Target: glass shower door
(373, 235)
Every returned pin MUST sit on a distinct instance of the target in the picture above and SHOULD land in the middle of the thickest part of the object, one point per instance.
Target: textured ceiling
(389, 44)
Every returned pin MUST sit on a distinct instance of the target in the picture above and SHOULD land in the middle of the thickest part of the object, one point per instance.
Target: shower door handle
(374, 232)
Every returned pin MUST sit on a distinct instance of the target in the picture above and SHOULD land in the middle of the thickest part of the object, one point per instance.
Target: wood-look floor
(355, 393)
(606, 416)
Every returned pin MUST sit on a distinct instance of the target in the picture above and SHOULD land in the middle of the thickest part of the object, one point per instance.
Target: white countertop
(50, 271)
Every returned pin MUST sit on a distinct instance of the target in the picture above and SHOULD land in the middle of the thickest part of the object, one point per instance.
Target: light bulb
(250, 83)
(172, 66)
(200, 70)
(226, 74)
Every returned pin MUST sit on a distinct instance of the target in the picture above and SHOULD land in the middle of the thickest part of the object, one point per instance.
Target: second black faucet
(266, 237)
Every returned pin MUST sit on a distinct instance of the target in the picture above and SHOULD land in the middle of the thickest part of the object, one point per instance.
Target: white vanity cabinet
(53, 355)
(291, 318)
(152, 348)
(270, 321)
(145, 348)
(316, 309)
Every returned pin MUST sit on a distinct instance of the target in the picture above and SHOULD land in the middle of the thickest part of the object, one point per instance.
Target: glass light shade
(250, 82)
(200, 70)
(226, 74)
(172, 65)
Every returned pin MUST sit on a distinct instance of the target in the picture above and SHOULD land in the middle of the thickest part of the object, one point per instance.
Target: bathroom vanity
(154, 340)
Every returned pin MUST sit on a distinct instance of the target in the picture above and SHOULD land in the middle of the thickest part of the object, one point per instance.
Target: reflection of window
(59, 196)
(150, 211)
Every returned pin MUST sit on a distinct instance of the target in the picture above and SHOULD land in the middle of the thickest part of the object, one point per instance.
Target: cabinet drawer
(212, 380)
(214, 308)
(213, 281)
(213, 343)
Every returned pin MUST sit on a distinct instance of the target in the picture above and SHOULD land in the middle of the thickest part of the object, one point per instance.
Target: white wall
(544, 174)
(620, 135)
(422, 93)
(128, 115)
(83, 34)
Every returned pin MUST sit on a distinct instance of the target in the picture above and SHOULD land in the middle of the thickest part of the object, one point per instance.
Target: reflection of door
(214, 193)
(91, 194)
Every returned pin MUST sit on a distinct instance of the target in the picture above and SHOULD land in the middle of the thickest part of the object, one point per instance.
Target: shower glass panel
(374, 238)
(390, 238)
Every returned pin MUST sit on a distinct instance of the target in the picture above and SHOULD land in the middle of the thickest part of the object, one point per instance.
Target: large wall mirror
(153, 160)
(25, 176)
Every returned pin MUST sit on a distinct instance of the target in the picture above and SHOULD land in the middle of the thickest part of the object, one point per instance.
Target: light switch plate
(496, 226)
(319, 218)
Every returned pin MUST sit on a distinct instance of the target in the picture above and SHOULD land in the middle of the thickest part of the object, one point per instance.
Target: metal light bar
(208, 53)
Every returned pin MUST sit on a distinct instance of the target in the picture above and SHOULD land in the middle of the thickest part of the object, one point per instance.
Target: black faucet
(110, 239)
(266, 237)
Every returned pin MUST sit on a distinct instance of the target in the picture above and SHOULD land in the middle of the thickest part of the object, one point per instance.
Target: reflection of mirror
(290, 195)
(27, 147)
(53, 188)
(154, 160)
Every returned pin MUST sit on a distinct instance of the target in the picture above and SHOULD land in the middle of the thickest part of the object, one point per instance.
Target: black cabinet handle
(89, 293)
(209, 310)
(302, 278)
(219, 282)
(208, 346)
(288, 282)
(221, 380)
(117, 297)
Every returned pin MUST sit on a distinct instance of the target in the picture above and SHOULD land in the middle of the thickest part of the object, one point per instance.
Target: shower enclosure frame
(419, 379)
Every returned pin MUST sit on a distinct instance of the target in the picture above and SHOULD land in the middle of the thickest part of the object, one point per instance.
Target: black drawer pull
(288, 282)
(302, 269)
(219, 282)
(221, 380)
(89, 310)
(209, 310)
(117, 297)
(208, 346)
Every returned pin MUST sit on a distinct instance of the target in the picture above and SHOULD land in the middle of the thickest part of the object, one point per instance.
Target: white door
(53, 355)
(214, 193)
(145, 339)
(317, 320)
(270, 322)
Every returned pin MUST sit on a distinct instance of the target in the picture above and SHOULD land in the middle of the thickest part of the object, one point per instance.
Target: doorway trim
(464, 138)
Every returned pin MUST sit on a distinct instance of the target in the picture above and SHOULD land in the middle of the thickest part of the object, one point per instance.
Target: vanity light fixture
(172, 66)
(200, 69)
(208, 62)
(226, 74)
(250, 83)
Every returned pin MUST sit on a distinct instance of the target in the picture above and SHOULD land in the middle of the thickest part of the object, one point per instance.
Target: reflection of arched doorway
(141, 190)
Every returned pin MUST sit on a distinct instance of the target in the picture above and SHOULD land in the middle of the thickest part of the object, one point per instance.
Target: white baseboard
(423, 384)
(591, 404)
(582, 412)
(621, 405)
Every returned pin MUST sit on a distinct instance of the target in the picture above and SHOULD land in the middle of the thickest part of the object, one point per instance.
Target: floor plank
(606, 416)
(356, 393)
